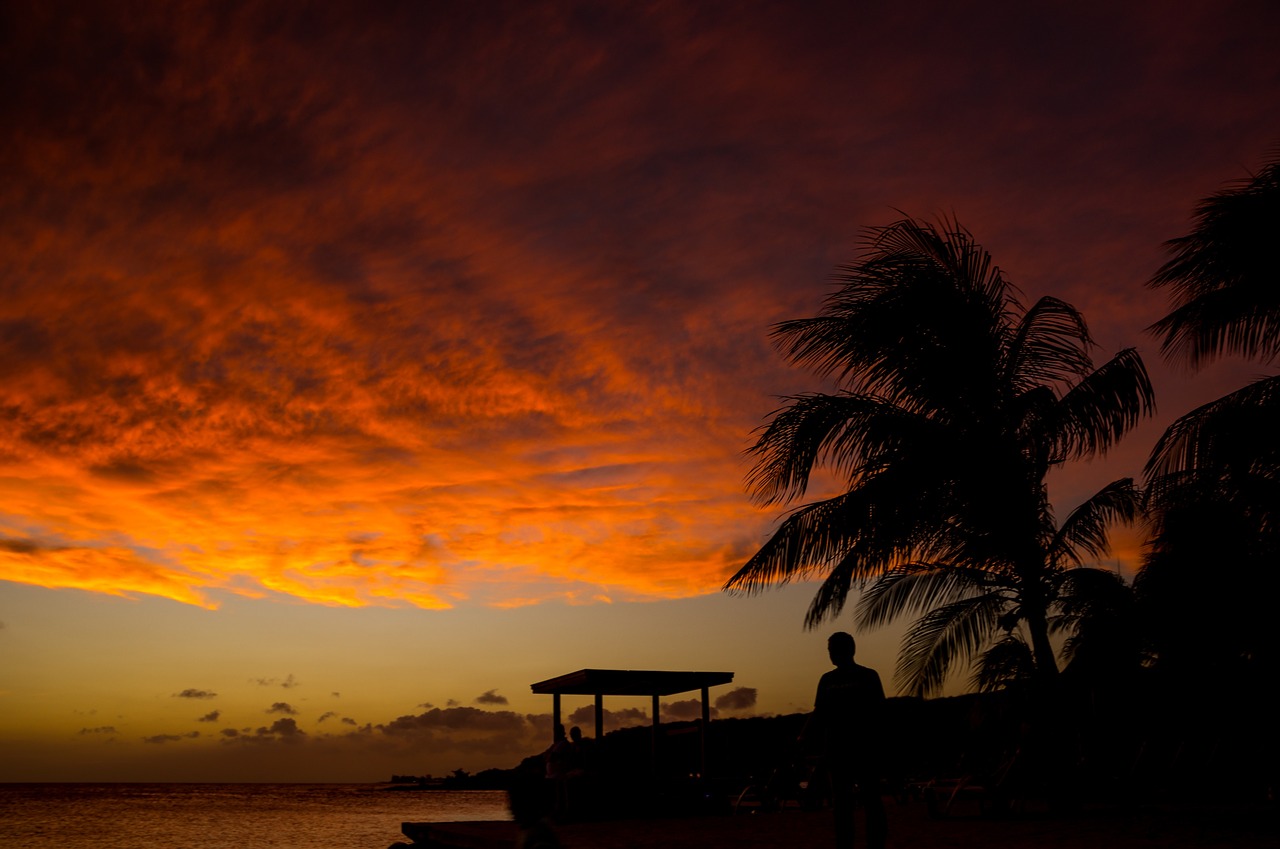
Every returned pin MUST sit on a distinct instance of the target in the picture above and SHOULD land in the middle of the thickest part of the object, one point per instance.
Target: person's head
(841, 648)
(575, 734)
(559, 732)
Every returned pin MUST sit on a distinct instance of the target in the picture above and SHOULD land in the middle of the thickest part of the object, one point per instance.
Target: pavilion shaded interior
(599, 683)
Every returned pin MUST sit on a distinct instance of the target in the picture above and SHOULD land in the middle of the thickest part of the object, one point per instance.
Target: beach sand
(1163, 827)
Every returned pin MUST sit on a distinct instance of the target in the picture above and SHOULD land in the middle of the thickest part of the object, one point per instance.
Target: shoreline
(1139, 827)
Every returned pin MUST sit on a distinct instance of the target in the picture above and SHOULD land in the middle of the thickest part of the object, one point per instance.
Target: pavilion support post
(702, 732)
(653, 747)
(599, 715)
(555, 715)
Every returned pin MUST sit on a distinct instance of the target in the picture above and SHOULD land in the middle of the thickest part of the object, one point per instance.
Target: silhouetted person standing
(848, 721)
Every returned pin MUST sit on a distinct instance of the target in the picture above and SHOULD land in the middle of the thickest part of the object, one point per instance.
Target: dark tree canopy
(1213, 479)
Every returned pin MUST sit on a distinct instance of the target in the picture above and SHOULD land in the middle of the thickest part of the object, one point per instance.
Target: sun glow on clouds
(343, 472)
(246, 352)
(439, 306)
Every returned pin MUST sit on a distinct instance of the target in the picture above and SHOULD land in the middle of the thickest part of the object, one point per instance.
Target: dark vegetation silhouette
(1207, 589)
(952, 403)
(1213, 479)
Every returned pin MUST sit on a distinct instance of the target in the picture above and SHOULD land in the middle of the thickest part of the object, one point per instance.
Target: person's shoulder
(831, 676)
(869, 678)
(866, 671)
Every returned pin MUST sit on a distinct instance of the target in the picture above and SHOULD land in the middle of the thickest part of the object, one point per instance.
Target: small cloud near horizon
(743, 698)
(194, 693)
(159, 739)
(211, 716)
(288, 683)
(684, 710)
(491, 697)
(585, 717)
(283, 707)
(283, 728)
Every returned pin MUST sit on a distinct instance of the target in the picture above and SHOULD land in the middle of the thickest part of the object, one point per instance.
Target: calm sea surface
(226, 816)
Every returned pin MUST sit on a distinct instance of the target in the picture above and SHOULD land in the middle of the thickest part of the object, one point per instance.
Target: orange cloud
(424, 308)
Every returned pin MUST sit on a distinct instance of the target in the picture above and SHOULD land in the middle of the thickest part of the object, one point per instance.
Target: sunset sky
(365, 363)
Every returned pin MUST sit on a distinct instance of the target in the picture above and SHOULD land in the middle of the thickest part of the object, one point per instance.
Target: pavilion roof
(630, 682)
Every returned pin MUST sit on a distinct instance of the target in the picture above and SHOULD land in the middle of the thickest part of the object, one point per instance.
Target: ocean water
(227, 816)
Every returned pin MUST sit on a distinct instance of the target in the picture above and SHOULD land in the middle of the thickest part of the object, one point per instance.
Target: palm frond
(918, 587)
(914, 322)
(1225, 276)
(808, 538)
(1083, 534)
(943, 636)
(842, 431)
(1102, 407)
(1050, 347)
(1236, 431)
(1008, 663)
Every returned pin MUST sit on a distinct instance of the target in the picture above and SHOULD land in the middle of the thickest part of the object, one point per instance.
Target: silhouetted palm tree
(954, 402)
(1214, 477)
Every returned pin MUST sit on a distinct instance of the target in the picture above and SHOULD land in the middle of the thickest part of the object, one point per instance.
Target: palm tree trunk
(1041, 648)
(1036, 615)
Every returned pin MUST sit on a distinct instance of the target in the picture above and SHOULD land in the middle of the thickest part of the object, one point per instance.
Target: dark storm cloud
(282, 707)
(742, 698)
(195, 693)
(211, 716)
(491, 697)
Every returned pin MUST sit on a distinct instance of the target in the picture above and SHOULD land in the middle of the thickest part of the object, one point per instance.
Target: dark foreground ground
(1174, 827)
